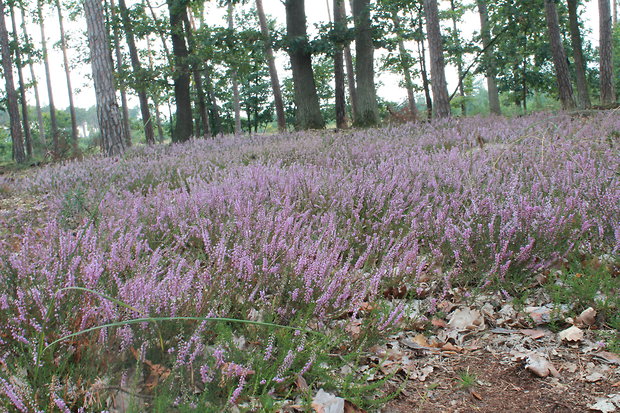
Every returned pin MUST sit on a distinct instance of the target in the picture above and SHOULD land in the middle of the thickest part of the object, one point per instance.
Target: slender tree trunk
(215, 108)
(559, 56)
(200, 93)
(22, 87)
(63, 45)
(48, 78)
(138, 73)
(120, 67)
(459, 58)
(184, 127)
(339, 77)
(108, 113)
(405, 62)
(348, 59)
(615, 13)
(485, 34)
(583, 93)
(608, 89)
(11, 95)
(367, 108)
(35, 84)
(234, 77)
(306, 98)
(161, 33)
(424, 72)
(155, 97)
(273, 71)
(441, 99)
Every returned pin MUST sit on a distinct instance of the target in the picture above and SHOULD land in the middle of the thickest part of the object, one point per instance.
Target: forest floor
(549, 344)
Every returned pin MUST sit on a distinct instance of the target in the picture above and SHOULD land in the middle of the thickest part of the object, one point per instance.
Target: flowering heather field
(301, 230)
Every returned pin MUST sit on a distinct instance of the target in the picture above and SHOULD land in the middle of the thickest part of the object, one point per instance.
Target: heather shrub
(303, 232)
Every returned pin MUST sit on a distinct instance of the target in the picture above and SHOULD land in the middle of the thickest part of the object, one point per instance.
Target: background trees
(202, 68)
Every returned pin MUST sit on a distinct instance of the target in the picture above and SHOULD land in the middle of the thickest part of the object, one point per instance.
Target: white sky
(316, 11)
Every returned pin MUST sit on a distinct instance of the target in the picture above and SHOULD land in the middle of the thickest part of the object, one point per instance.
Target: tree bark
(215, 108)
(367, 108)
(273, 71)
(614, 17)
(424, 71)
(485, 34)
(306, 98)
(48, 78)
(35, 84)
(339, 76)
(22, 87)
(63, 46)
(608, 89)
(200, 93)
(11, 95)
(108, 113)
(139, 74)
(406, 66)
(234, 77)
(559, 56)
(120, 68)
(184, 127)
(583, 93)
(155, 97)
(459, 58)
(441, 100)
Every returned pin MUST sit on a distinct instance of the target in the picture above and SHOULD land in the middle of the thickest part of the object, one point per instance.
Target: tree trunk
(273, 71)
(423, 71)
(155, 97)
(200, 93)
(120, 67)
(559, 56)
(608, 89)
(63, 46)
(459, 58)
(339, 77)
(583, 93)
(48, 78)
(215, 108)
(22, 86)
(614, 17)
(306, 98)
(485, 34)
(141, 79)
(234, 79)
(11, 95)
(441, 100)
(348, 59)
(35, 84)
(108, 113)
(405, 62)
(184, 127)
(367, 108)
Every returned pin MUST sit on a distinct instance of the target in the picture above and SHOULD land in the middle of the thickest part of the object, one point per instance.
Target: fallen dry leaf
(301, 383)
(540, 315)
(572, 334)
(351, 408)
(325, 402)
(587, 317)
(604, 406)
(466, 319)
(535, 334)
(438, 322)
(540, 366)
(476, 395)
(609, 357)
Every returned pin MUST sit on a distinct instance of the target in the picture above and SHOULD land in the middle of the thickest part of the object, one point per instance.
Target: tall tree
(11, 95)
(108, 113)
(48, 79)
(63, 46)
(155, 95)
(491, 70)
(205, 126)
(458, 50)
(234, 75)
(34, 81)
(139, 74)
(367, 108)
(583, 94)
(22, 85)
(120, 68)
(339, 75)
(308, 114)
(405, 62)
(560, 63)
(441, 100)
(423, 71)
(608, 90)
(184, 127)
(273, 71)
